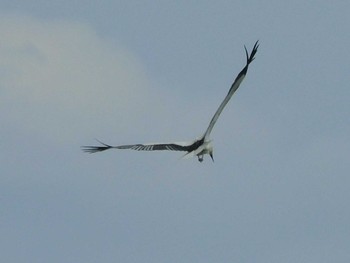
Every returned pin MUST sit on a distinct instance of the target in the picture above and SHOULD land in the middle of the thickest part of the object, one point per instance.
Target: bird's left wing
(139, 147)
(233, 88)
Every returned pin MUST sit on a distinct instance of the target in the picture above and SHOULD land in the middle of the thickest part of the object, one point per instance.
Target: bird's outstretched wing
(141, 147)
(233, 88)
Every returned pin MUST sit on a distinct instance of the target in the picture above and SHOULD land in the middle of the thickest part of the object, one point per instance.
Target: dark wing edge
(137, 147)
(154, 147)
(250, 59)
(235, 85)
(95, 149)
(244, 71)
(252, 54)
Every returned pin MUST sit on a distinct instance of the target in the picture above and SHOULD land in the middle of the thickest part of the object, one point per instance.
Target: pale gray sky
(130, 72)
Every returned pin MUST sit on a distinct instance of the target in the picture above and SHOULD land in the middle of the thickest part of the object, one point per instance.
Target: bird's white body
(198, 147)
(205, 148)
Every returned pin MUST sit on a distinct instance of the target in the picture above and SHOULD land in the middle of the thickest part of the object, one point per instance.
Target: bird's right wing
(233, 89)
(140, 147)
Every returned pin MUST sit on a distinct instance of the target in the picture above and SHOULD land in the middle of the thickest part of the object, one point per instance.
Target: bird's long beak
(211, 156)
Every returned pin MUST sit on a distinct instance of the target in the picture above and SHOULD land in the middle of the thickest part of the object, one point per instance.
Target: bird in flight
(200, 146)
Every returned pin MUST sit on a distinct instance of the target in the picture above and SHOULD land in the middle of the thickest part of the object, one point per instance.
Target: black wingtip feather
(250, 58)
(252, 54)
(94, 149)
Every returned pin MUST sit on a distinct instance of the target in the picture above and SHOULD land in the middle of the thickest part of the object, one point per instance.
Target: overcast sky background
(131, 72)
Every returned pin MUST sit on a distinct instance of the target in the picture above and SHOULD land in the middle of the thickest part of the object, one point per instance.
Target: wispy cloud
(58, 78)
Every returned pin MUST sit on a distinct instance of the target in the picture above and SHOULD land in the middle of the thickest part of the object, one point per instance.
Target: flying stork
(200, 146)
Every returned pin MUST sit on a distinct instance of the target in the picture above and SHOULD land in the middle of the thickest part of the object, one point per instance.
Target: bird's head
(206, 148)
